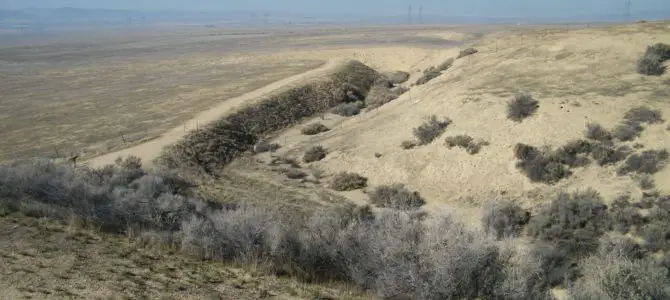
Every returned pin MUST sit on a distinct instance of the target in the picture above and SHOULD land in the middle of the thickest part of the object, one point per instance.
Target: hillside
(542, 175)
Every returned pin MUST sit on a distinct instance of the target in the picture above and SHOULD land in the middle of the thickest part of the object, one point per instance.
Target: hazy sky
(368, 7)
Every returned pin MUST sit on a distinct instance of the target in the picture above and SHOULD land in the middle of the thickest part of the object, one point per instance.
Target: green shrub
(346, 181)
(313, 154)
(314, 128)
(521, 107)
(625, 215)
(430, 130)
(396, 196)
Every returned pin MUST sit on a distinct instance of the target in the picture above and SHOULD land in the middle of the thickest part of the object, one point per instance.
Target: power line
(420, 14)
(626, 5)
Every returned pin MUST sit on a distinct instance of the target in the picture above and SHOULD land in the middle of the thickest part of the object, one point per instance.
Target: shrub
(521, 107)
(314, 128)
(539, 166)
(349, 109)
(556, 263)
(266, 147)
(596, 132)
(643, 114)
(398, 77)
(627, 131)
(505, 219)
(408, 144)
(650, 65)
(573, 153)
(466, 142)
(574, 222)
(313, 154)
(612, 275)
(396, 196)
(430, 129)
(445, 65)
(660, 49)
(295, 174)
(428, 75)
(606, 154)
(346, 181)
(466, 52)
(222, 141)
(380, 95)
(625, 215)
(649, 162)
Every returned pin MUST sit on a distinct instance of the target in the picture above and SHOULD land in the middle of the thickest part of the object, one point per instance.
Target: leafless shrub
(649, 162)
(596, 132)
(346, 181)
(643, 114)
(430, 129)
(505, 219)
(466, 142)
(408, 144)
(521, 107)
(295, 174)
(314, 128)
(396, 196)
(313, 154)
(349, 109)
(467, 51)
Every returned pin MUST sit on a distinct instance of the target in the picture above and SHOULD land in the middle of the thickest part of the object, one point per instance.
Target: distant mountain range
(68, 18)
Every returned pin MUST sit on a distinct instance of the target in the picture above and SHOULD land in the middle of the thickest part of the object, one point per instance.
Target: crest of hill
(578, 76)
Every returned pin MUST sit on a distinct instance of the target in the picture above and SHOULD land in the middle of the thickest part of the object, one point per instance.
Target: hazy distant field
(95, 92)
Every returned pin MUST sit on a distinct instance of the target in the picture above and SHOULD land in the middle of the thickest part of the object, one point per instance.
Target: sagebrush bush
(314, 153)
(573, 153)
(408, 144)
(392, 252)
(430, 129)
(396, 196)
(398, 77)
(380, 95)
(220, 142)
(649, 162)
(295, 174)
(505, 219)
(349, 109)
(314, 128)
(606, 154)
(573, 222)
(611, 275)
(346, 181)
(521, 107)
(643, 114)
(651, 63)
(625, 215)
(627, 131)
(446, 65)
(466, 142)
(266, 147)
(539, 166)
(428, 75)
(595, 131)
(466, 52)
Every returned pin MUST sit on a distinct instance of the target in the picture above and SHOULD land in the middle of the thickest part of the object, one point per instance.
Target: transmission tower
(409, 13)
(626, 7)
(266, 15)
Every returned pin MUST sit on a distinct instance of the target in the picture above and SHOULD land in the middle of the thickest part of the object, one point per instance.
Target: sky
(368, 7)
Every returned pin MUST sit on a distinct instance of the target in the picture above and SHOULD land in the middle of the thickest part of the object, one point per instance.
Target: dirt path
(151, 149)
